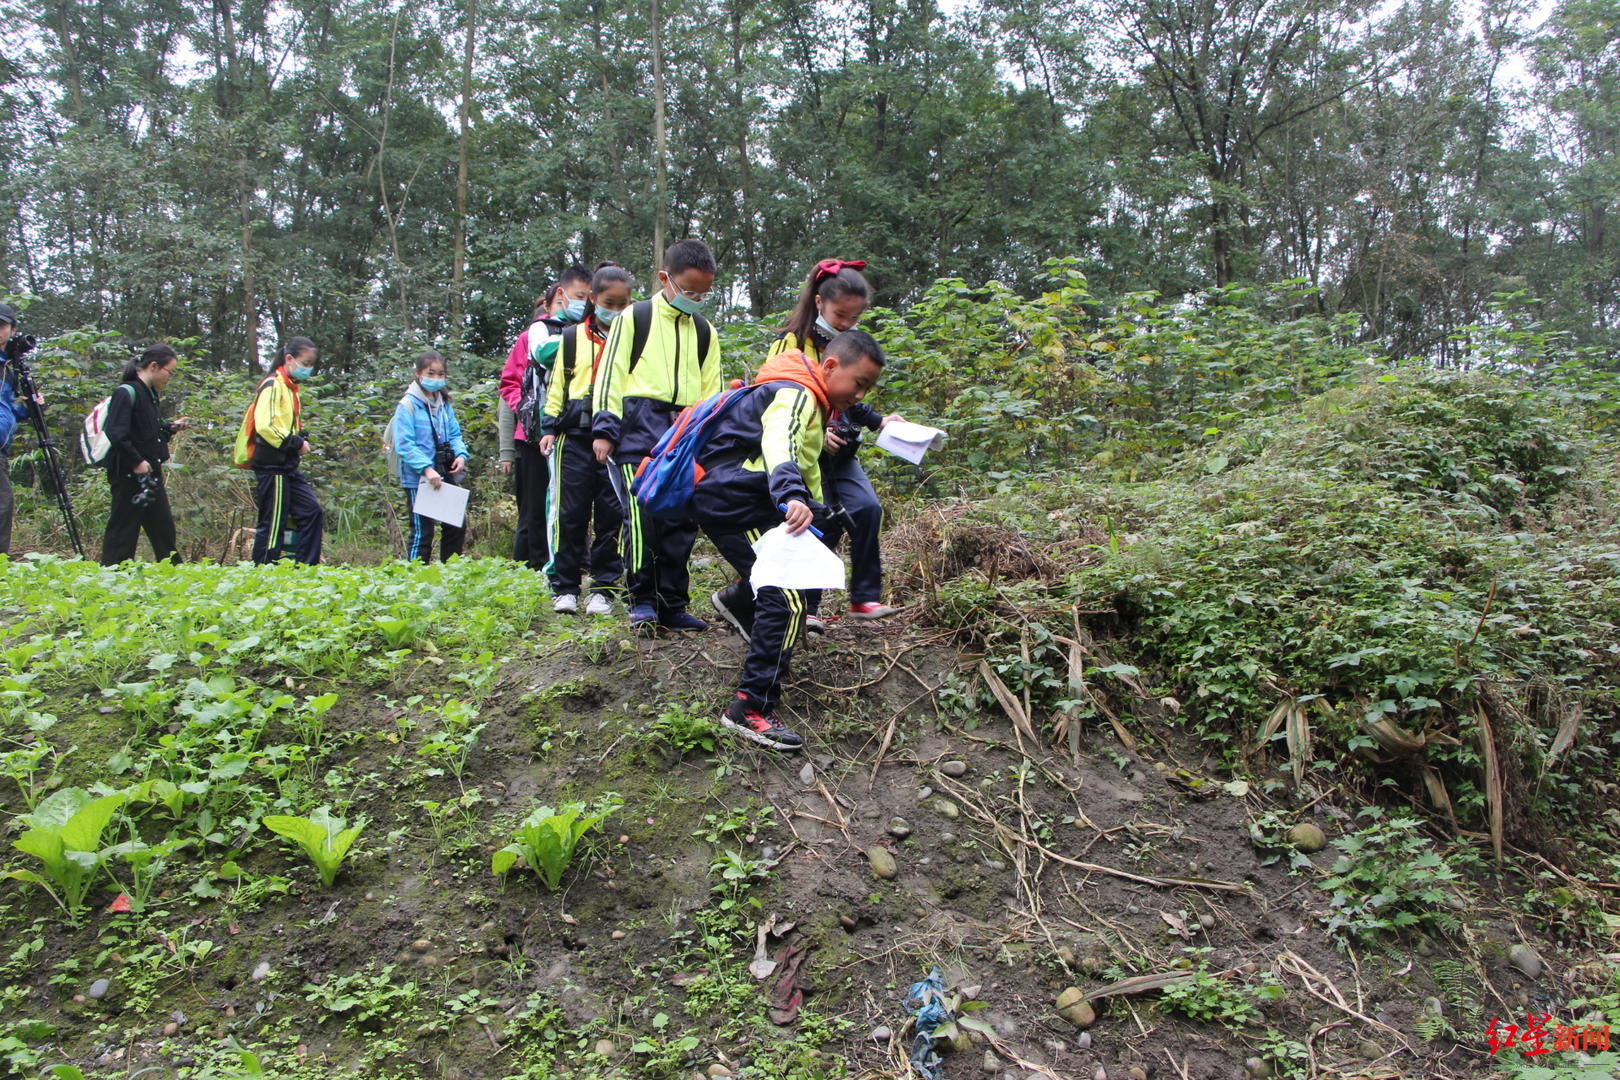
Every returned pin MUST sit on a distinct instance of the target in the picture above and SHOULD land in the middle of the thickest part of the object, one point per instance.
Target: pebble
(846, 922)
(605, 1048)
(170, 1028)
(617, 935)
(1256, 1068)
(1369, 1049)
(899, 828)
(1065, 955)
(1307, 838)
(717, 1070)
(947, 809)
(882, 861)
(1520, 956)
(99, 988)
(924, 793)
(1099, 1073)
(1073, 1007)
(881, 1035)
(1136, 1072)
(261, 972)
(421, 945)
(1206, 920)
(807, 775)
(947, 838)
(954, 768)
(992, 1064)
(1434, 1006)
(768, 853)
(1084, 1041)
(995, 864)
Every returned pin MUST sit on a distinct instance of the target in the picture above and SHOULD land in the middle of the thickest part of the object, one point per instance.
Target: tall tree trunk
(458, 267)
(382, 185)
(250, 294)
(756, 286)
(660, 177)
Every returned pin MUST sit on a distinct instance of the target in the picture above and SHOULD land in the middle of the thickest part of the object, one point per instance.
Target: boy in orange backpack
(761, 464)
(272, 442)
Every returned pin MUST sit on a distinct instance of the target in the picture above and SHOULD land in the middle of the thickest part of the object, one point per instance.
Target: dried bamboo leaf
(1009, 703)
(1273, 723)
(1392, 737)
(1439, 797)
(1140, 984)
(1493, 780)
(1299, 741)
(1567, 727)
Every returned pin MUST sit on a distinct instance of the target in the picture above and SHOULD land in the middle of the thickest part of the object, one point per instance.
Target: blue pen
(819, 535)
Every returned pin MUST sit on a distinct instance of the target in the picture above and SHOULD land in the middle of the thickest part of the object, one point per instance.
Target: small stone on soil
(1369, 1050)
(1073, 1007)
(880, 1035)
(899, 828)
(617, 935)
(954, 768)
(99, 988)
(1206, 920)
(992, 1064)
(170, 1028)
(605, 1048)
(807, 775)
(1084, 1041)
(947, 809)
(924, 793)
(1520, 956)
(718, 1069)
(261, 972)
(421, 945)
(882, 860)
(1257, 1068)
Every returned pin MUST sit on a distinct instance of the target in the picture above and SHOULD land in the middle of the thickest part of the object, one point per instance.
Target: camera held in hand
(146, 486)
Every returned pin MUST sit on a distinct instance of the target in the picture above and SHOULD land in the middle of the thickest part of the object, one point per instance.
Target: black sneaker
(740, 716)
(739, 617)
(682, 621)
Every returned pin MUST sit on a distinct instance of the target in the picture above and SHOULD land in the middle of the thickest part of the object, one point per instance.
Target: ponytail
(159, 354)
(607, 273)
(830, 279)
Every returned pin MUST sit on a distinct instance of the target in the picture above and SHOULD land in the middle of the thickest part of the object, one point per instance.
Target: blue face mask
(826, 328)
(300, 374)
(574, 311)
(433, 386)
(606, 315)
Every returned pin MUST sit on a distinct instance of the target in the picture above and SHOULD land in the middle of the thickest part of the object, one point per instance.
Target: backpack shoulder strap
(641, 329)
(705, 332)
(570, 352)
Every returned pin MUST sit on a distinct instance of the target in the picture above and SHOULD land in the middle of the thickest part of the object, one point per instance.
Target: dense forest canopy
(382, 175)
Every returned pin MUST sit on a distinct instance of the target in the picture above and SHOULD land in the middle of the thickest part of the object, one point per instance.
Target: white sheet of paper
(446, 503)
(911, 441)
(795, 562)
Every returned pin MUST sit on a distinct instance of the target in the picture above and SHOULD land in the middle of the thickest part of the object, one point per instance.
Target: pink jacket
(511, 384)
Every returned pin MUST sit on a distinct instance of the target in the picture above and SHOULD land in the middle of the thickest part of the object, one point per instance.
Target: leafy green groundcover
(1368, 580)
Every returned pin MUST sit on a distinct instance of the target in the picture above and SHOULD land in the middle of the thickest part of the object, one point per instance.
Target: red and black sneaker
(741, 716)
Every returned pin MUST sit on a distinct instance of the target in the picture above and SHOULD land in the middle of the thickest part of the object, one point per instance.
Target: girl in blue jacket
(427, 439)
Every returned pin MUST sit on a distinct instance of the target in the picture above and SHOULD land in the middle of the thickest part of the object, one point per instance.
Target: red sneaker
(741, 716)
(872, 609)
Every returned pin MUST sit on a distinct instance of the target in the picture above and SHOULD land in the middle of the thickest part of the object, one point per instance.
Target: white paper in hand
(795, 562)
(446, 503)
(911, 441)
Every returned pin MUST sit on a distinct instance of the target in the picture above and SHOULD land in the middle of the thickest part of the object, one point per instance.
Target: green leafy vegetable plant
(324, 838)
(546, 839)
(64, 833)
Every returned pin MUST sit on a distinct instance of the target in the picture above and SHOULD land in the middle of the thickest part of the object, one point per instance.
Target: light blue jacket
(421, 421)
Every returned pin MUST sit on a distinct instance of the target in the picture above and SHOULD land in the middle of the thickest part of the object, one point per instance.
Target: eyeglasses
(695, 297)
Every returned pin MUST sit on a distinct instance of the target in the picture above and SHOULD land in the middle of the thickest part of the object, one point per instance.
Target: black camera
(20, 345)
(146, 485)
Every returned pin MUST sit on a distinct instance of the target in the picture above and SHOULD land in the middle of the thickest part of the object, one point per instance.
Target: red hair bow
(826, 268)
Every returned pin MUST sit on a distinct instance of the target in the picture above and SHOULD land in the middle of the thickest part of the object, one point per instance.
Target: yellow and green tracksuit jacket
(567, 409)
(766, 450)
(846, 422)
(634, 404)
(278, 433)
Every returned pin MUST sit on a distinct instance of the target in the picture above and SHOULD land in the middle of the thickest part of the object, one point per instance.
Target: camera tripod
(27, 391)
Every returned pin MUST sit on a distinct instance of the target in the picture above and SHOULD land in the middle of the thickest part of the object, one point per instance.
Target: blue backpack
(665, 478)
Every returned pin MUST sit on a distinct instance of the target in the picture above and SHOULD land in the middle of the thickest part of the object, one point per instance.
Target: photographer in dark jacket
(140, 445)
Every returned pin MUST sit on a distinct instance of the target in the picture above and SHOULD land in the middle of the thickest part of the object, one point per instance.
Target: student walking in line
(523, 384)
(138, 445)
(427, 439)
(659, 358)
(273, 442)
(763, 463)
(834, 298)
(580, 486)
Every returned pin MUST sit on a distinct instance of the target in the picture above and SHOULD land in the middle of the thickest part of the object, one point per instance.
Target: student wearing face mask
(661, 356)
(580, 487)
(273, 442)
(427, 438)
(834, 298)
(523, 384)
(138, 438)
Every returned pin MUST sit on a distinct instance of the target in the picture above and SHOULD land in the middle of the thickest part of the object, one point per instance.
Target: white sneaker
(598, 605)
(566, 604)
